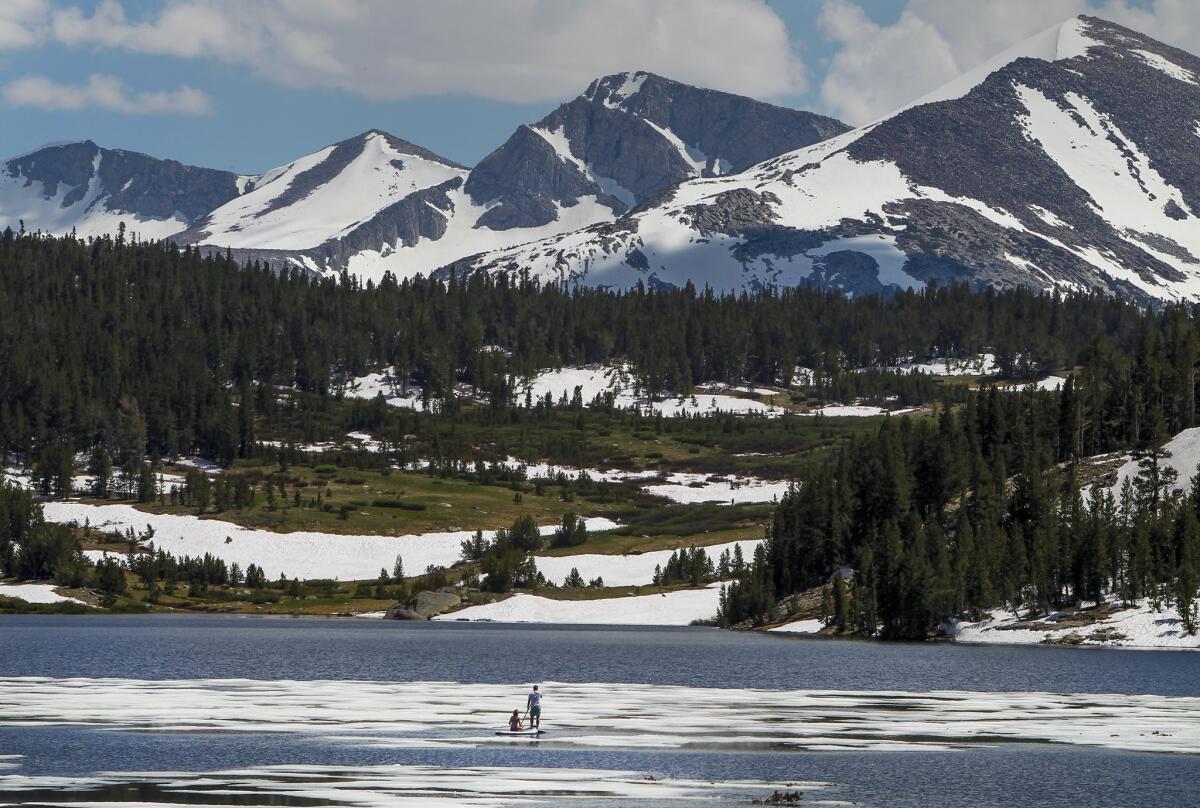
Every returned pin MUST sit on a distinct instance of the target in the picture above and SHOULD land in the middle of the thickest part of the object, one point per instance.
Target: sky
(247, 86)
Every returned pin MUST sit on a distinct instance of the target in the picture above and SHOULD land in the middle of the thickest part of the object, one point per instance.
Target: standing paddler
(533, 705)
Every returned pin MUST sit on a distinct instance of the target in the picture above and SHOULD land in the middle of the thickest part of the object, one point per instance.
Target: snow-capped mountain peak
(374, 203)
(1066, 162)
(324, 195)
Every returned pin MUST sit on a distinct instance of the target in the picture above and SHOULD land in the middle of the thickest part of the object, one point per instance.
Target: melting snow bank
(686, 487)
(627, 570)
(681, 486)
(301, 554)
(978, 365)
(610, 715)
(678, 608)
(1185, 458)
(370, 786)
(1138, 626)
(800, 627)
(35, 593)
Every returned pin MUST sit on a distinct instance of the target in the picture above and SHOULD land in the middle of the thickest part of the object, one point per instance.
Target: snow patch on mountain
(1128, 191)
(465, 236)
(632, 85)
(1165, 65)
(691, 155)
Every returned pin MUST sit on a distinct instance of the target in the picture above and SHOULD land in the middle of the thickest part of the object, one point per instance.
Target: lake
(233, 710)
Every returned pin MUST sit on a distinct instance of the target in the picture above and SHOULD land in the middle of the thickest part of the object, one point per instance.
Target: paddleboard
(525, 733)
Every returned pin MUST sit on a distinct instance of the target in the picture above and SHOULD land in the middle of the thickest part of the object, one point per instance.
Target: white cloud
(103, 92)
(22, 22)
(1175, 22)
(520, 50)
(880, 68)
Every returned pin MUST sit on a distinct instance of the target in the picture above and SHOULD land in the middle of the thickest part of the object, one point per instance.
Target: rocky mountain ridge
(1067, 163)
(89, 189)
(375, 203)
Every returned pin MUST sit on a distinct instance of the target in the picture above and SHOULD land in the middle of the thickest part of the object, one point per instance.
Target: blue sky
(253, 85)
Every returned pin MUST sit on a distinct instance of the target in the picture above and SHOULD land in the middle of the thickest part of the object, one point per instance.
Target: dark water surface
(187, 647)
(202, 647)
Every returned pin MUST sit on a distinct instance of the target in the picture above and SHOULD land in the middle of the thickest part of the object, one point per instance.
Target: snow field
(35, 593)
(1184, 459)
(848, 411)
(626, 570)
(89, 216)
(677, 608)
(800, 627)
(678, 487)
(600, 715)
(1112, 169)
(463, 238)
(596, 379)
(683, 487)
(981, 365)
(303, 554)
(1141, 626)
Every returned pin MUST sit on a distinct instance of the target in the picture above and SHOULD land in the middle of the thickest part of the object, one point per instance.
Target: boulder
(399, 612)
(429, 604)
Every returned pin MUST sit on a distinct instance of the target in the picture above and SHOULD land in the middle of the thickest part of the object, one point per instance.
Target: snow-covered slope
(325, 195)
(626, 139)
(1067, 162)
(374, 203)
(82, 187)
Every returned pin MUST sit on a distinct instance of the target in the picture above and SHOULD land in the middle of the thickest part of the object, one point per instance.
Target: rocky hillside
(82, 187)
(1068, 162)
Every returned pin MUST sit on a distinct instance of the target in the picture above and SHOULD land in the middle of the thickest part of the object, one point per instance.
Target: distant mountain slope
(375, 203)
(1069, 162)
(628, 137)
(324, 195)
(82, 187)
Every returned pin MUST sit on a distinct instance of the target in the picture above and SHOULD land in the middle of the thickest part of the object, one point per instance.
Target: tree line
(126, 351)
(989, 504)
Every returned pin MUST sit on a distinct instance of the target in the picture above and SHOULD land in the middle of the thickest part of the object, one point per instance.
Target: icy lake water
(159, 711)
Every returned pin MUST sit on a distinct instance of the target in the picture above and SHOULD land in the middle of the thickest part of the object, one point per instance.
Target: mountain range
(1067, 162)
(375, 203)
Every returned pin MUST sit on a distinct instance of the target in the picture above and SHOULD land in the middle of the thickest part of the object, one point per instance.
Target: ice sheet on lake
(608, 715)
